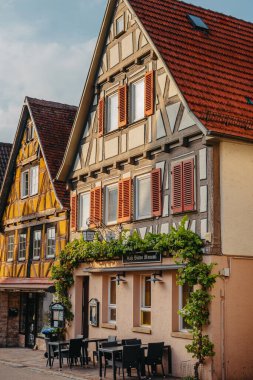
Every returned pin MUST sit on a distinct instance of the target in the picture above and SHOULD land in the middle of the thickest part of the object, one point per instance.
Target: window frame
(10, 259)
(144, 308)
(136, 196)
(106, 204)
(181, 326)
(119, 33)
(112, 279)
(32, 170)
(36, 257)
(133, 103)
(23, 196)
(21, 246)
(108, 114)
(81, 226)
(50, 255)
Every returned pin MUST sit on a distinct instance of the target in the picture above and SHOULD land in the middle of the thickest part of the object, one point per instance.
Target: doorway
(29, 317)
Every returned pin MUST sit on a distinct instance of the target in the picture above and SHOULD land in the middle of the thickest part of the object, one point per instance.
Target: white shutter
(34, 180)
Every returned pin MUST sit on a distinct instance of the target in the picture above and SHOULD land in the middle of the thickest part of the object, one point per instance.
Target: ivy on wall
(184, 245)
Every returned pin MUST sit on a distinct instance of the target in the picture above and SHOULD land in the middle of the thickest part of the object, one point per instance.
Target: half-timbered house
(164, 129)
(34, 219)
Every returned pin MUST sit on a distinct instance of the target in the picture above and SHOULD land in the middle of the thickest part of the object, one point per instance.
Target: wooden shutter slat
(73, 212)
(149, 93)
(177, 188)
(95, 207)
(188, 185)
(156, 192)
(125, 200)
(101, 116)
(122, 94)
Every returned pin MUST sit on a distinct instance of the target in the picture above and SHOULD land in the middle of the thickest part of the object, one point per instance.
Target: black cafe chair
(107, 356)
(73, 352)
(154, 357)
(54, 354)
(131, 359)
(131, 342)
(111, 338)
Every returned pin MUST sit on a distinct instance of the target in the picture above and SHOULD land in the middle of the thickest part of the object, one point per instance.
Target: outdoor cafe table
(59, 345)
(114, 350)
(86, 341)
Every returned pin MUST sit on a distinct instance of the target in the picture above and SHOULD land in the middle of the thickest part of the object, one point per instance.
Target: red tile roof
(54, 123)
(5, 151)
(213, 70)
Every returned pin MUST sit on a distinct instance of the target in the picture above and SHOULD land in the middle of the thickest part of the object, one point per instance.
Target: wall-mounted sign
(57, 315)
(142, 257)
(88, 235)
(94, 312)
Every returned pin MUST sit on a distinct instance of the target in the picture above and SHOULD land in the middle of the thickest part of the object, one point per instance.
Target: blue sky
(46, 48)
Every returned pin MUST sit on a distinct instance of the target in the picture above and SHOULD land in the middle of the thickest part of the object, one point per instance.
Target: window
(34, 180)
(143, 197)
(112, 300)
(25, 184)
(197, 22)
(112, 112)
(50, 242)
(111, 204)
(184, 294)
(146, 301)
(22, 247)
(120, 25)
(137, 100)
(10, 249)
(36, 244)
(84, 210)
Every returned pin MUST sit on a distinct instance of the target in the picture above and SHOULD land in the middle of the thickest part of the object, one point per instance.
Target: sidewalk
(23, 357)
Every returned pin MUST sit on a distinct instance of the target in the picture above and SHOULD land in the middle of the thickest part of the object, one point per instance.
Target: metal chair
(154, 357)
(131, 358)
(53, 353)
(111, 338)
(73, 353)
(107, 356)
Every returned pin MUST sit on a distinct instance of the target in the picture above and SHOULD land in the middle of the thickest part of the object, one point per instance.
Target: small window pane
(36, 244)
(34, 180)
(112, 315)
(143, 197)
(137, 100)
(146, 318)
(22, 247)
(119, 25)
(146, 301)
(111, 204)
(112, 112)
(51, 242)
(84, 210)
(10, 250)
(112, 300)
(184, 294)
(113, 292)
(24, 184)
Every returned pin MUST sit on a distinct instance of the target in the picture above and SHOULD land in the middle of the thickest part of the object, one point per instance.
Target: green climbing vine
(187, 249)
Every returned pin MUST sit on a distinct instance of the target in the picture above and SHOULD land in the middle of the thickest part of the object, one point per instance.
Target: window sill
(182, 335)
(21, 260)
(110, 326)
(10, 260)
(142, 330)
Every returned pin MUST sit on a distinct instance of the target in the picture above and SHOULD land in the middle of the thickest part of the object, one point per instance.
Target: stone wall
(3, 318)
(9, 326)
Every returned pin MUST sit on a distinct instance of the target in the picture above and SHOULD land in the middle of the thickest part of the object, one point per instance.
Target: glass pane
(138, 100)
(113, 292)
(112, 314)
(84, 211)
(146, 318)
(144, 199)
(120, 25)
(112, 204)
(147, 294)
(112, 112)
(186, 289)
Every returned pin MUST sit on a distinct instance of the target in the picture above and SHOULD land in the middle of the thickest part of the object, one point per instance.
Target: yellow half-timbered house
(34, 219)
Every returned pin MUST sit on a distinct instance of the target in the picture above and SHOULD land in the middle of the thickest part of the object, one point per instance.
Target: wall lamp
(154, 278)
(119, 278)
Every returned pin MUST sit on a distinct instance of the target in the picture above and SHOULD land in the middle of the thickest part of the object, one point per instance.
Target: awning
(25, 284)
(134, 268)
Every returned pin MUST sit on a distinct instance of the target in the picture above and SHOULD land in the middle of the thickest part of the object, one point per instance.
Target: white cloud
(50, 71)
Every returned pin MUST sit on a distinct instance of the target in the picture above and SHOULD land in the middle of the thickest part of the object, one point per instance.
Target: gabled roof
(213, 70)
(53, 122)
(5, 151)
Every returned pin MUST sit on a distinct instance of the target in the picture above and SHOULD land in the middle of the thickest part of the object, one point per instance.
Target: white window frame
(106, 206)
(117, 31)
(36, 247)
(137, 186)
(109, 126)
(134, 115)
(180, 307)
(81, 219)
(110, 305)
(143, 307)
(34, 180)
(10, 247)
(23, 186)
(22, 247)
(50, 255)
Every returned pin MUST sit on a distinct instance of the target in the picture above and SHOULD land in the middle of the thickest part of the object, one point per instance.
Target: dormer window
(198, 23)
(249, 100)
(120, 27)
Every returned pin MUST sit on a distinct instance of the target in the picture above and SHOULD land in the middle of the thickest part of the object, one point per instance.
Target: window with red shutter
(122, 94)
(177, 188)
(188, 185)
(73, 212)
(149, 93)
(101, 116)
(95, 207)
(156, 192)
(125, 200)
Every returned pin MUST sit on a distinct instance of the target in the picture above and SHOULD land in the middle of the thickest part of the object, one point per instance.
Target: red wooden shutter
(177, 188)
(149, 93)
(95, 207)
(101, 116)
(73, 212)
(156, 192)
(125, 200)
(122, 93)
(188, 185)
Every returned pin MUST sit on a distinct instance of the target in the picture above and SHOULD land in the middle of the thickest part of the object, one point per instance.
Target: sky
(46, 47)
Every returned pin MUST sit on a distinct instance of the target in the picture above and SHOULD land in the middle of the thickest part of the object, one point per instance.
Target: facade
(34, 220)
(164, 129)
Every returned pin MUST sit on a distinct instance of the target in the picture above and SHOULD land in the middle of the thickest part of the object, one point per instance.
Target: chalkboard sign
(57, 315)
